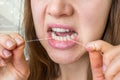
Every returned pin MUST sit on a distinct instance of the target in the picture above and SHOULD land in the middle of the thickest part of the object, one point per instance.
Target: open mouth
(61, 34)
(61, 37)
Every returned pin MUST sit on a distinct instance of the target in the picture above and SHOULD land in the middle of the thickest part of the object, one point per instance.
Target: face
(66, 21)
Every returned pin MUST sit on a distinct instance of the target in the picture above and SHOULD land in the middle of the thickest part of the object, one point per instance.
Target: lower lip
(60, 44)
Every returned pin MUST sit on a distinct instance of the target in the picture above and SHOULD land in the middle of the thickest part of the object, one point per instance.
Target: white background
(11, 13)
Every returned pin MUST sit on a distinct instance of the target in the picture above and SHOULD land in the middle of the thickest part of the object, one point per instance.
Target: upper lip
(50, 26)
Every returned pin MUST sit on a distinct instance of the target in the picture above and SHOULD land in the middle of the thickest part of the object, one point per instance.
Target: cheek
(93, 21)
(38, 12)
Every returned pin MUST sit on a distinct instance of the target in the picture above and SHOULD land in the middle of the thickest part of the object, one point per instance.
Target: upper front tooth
(60, 30)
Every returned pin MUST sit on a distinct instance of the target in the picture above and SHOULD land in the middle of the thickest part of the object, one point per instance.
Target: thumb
(96, 65)
(95, 60)
(95, 49)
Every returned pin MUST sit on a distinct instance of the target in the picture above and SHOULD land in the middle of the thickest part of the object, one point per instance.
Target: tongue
(63, 33)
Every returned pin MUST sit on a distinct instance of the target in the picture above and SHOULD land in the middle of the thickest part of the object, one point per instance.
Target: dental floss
(50, 38)
(78, 43)
(37, 40)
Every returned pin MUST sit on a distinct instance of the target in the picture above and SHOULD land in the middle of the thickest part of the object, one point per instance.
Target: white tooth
(54, 29)
(64, 38)
(63, 30)
(61, 38)
(67, 30)
(60, 30)
(58, 38)
(53, 36)
(75, 34)
(72, 36)
(68, 37)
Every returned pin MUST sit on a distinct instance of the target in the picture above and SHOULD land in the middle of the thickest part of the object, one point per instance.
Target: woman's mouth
(61, 37)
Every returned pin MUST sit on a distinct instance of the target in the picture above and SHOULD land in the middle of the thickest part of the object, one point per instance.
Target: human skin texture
(86, 18)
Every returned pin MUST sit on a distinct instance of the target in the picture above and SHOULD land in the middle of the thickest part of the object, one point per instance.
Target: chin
(65, 56)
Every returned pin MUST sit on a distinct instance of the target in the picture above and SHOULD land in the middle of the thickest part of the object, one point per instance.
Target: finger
(7, 42)
(4, 53)
(113, 69)
(95, 49)
(105, 48)
(18, 54)
(18, 38)
(111, 54)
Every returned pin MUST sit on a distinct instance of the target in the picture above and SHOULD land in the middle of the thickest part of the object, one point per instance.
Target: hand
(105, 60)
(13, 65)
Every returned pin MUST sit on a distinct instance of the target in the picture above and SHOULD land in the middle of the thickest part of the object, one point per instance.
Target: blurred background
(11, 16)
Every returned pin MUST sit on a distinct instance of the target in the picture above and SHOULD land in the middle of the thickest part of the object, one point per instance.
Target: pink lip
(60, 44)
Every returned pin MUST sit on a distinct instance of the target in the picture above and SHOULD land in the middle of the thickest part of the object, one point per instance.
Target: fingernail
(6, 53)
(90, 47)
(19, 41)
(9, 43)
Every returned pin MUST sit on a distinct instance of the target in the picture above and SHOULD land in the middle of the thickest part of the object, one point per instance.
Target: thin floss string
(28, 41)
(50, 38)
(37, 40)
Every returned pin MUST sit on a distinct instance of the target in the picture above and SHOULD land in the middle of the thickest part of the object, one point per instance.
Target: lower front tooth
(68, 37)
(64, 38)
(61, 38)
(72, 36)
(57, 38)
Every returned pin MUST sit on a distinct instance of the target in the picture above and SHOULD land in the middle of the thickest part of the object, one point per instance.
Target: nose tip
(58, 9)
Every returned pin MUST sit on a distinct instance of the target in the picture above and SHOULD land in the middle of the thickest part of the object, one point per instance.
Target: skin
(13, 65)
(88, 18)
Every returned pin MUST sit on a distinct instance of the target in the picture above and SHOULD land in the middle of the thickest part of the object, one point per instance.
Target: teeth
(63, 38)
(60, 30)
(68, 37)
(73, 36)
